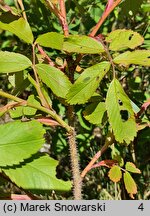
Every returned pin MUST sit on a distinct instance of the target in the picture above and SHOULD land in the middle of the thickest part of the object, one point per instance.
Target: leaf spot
(86, 79)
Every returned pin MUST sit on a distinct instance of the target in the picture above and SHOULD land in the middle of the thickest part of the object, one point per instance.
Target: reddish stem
(64, 19)
(108, 10)
(108, 142)
(45, 56)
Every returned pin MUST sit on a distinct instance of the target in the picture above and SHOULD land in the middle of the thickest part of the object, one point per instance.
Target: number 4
(141, 207)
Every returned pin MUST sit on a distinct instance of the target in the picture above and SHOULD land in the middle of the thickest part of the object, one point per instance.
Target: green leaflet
(37, 175)
(25, 110)
(13, 62)
(19, 140)
(130, 184)
(51, 39)
(115, 173)
(132, 168)
(82, 44)
(87, 83)
(94, 112)
(123, 39)
(19, 27)
(55, 79)
(139, 57)
(118, 104)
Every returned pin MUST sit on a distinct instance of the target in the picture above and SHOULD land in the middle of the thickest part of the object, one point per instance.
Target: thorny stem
(109, 141)
(104, 16)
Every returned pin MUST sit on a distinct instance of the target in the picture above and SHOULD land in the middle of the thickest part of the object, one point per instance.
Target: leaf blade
(115, 173)
(38, 174)
(51, 39)
(87, 83)
(13, 62)
(123, 39)
(94, 112)
(137, 57)
(19, 27)
(55, 79)
(130, 184)
(82, 44)
(132, 168)
(124, 130)
(16, 139)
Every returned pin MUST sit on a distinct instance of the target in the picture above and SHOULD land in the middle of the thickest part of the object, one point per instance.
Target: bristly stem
(108, 10)
(77, 180)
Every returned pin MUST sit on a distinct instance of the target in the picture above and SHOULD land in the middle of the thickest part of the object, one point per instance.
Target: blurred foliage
(82, 15)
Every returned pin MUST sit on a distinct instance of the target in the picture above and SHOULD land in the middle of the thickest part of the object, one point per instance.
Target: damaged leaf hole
(131, 36)
(124, 115)
(120, 102)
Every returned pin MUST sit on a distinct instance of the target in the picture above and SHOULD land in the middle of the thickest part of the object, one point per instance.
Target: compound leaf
(13, 62)
(139, 57)
(82, 44)
(120, 113)
(94, 112)
(55, 79)
(37, 175)
(19, 140)
(20, 27)
(123, 39)
(87, 83)
(115, 173)
(51, 39)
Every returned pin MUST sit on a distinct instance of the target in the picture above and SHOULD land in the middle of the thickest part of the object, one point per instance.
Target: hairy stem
(77, 181)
